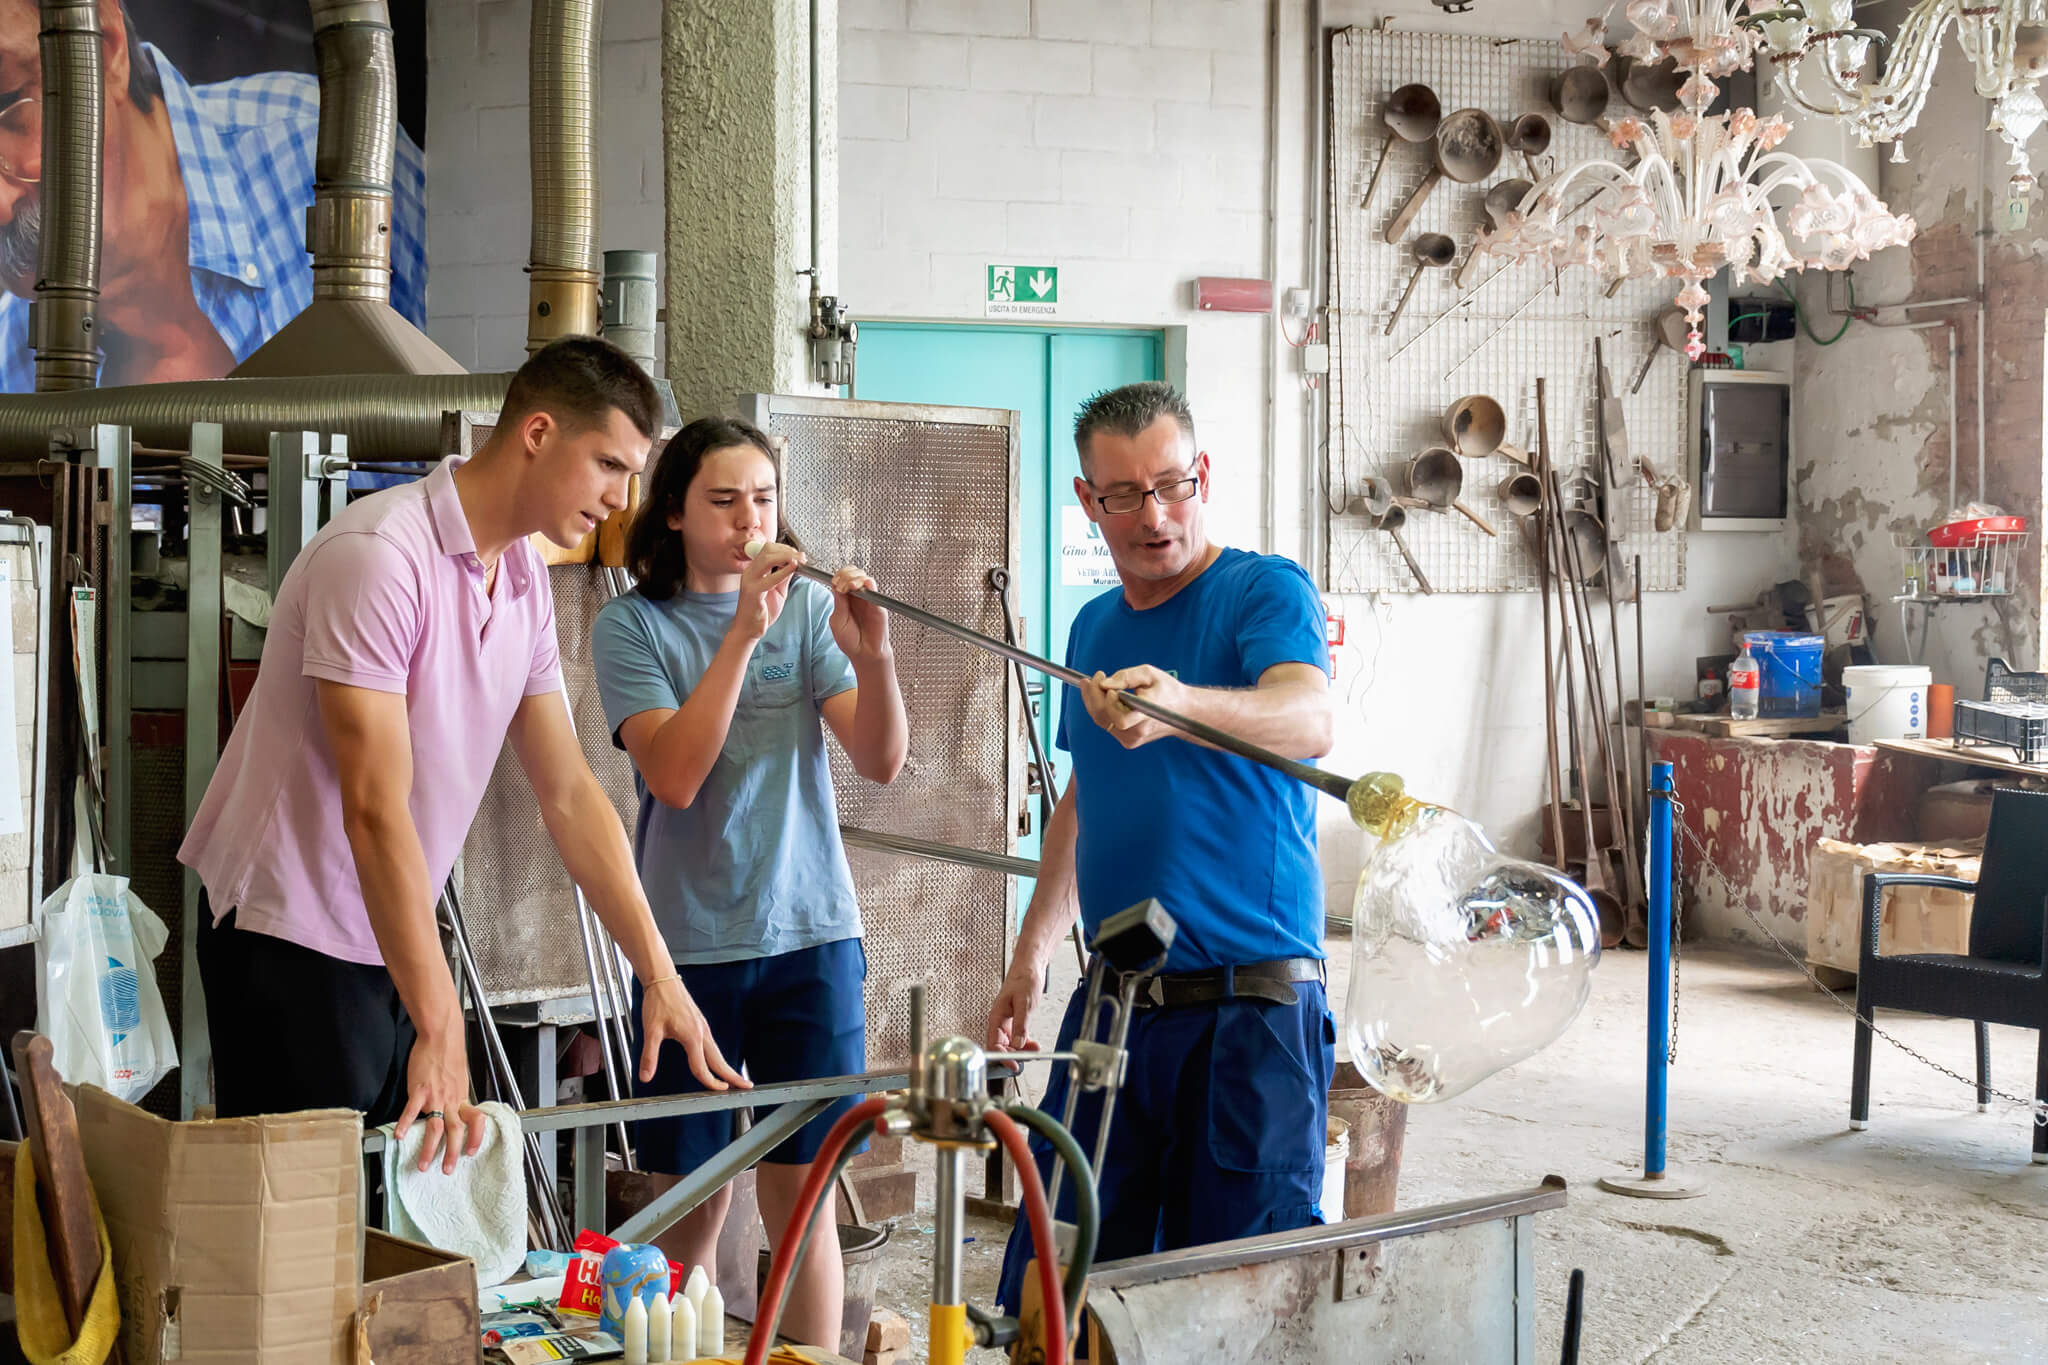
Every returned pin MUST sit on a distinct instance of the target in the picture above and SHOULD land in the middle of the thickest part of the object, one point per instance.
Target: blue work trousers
(1218, 1132)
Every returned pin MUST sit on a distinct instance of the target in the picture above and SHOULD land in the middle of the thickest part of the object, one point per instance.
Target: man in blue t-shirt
(1219, 1130)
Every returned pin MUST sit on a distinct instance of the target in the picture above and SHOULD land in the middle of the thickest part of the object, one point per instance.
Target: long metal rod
(1543, 515)
(1091, 1015)
(598, 996)
(949, 1189)
(714, 1175)
(622, 1017)
(1642, 702)
(1126, 1002)
(1628, 770)
(1328, 782)
(1596, 696)
(1048, 790)
(620, 1000)
(856, 837)
(118, 675)
(202, 744)
(506, 1079)
(506, 1082)
(617, 582)
(597, 1113)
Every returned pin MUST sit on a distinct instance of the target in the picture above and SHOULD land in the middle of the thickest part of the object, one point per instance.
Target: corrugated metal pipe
(349, 326)
(62, 327)
(384, 416)
(562, 289)
(348, 229)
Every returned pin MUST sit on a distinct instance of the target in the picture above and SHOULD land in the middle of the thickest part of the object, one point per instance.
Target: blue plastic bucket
(1788, 663)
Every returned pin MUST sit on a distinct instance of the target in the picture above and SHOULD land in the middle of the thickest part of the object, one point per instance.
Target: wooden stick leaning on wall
(1542, 552)
(1573, 570)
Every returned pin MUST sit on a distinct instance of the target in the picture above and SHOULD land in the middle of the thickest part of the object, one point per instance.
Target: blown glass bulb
(1464, 961)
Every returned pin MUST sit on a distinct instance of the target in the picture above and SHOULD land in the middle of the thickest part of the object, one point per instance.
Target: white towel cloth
(478, 1212)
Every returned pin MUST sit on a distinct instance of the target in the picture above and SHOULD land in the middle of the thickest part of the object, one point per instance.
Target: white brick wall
(1123, 140)
(479, 197)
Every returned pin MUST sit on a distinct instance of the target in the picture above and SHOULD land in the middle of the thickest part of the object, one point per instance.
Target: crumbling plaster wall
(1872, 416)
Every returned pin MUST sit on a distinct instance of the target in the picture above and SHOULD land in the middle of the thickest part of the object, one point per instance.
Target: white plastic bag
(96, 995)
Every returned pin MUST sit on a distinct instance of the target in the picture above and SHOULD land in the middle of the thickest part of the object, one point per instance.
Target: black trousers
(295, 1029)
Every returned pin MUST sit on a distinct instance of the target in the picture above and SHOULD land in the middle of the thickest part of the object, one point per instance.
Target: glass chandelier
(1819, 59)
(1704, 190)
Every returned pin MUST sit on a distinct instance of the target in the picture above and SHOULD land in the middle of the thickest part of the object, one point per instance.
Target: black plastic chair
(1999, 981)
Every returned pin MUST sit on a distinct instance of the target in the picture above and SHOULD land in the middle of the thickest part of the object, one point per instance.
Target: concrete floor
(1921, 1239)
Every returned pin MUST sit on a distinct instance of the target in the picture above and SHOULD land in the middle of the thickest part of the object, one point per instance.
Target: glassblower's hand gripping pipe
(1374, 800)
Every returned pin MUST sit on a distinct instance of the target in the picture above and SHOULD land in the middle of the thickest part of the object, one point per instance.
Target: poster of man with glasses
(208, 175)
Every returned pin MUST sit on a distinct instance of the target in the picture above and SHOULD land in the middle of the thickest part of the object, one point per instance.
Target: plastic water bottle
(1743, 686)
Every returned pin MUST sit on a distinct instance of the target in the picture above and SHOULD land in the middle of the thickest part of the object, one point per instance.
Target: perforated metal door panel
(923, 498)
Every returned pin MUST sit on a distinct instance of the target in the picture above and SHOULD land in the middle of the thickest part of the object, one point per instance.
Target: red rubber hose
(841, 1133)
(1011, 1134)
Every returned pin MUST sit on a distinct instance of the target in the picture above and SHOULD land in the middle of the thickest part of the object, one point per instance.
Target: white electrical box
(1315, 358)
(1739, 438)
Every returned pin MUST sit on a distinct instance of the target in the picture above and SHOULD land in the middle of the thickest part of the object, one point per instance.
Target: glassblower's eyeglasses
(1123, 504)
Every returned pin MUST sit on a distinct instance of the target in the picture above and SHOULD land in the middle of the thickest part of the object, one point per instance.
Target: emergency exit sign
(1023, 291)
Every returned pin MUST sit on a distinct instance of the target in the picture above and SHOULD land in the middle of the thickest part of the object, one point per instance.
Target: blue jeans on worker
(795, 1016)
(1218, 1131)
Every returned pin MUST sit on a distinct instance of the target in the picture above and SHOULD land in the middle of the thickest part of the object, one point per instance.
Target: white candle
(711, 1323)
(636, 1331)
(694, 1287)
(658, 1324)
(683, 1330)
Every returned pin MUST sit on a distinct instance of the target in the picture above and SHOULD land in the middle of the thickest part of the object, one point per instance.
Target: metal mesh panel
(926, 507)
(517, 899)
(936, 923)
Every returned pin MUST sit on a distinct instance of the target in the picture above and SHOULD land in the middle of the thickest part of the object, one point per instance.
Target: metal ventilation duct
(350, 326)
(563, 282)
(61, 321)
(384, 416)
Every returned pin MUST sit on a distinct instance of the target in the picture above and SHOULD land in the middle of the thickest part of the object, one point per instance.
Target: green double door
(1045, 374)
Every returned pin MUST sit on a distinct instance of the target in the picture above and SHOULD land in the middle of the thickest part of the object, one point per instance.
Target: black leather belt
(1270, 981)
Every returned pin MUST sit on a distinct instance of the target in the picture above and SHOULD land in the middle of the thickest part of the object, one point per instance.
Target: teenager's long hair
(653, 550)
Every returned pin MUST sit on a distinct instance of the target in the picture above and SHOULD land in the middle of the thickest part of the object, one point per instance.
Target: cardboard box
(1914, 919)
(418, 1304)
(234, 1239)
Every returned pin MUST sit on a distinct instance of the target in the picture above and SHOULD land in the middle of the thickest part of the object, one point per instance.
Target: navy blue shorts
(792, 1017)
(1218, 1131)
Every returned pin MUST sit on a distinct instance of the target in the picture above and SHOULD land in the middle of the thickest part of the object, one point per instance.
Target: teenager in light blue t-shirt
(719, 673)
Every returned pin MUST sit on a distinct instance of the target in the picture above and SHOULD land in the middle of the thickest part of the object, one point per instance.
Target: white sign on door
(1084, 560)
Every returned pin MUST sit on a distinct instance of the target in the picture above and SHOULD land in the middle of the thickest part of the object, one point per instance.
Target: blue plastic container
(1788, 663)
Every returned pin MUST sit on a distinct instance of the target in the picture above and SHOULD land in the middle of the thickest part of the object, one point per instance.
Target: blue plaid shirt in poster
(245, 149)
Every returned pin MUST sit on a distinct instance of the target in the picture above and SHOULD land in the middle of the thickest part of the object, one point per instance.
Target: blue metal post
(1660, 968)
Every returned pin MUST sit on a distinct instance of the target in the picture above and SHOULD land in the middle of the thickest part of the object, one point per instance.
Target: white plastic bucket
(1887, 701)
(1336, 1152)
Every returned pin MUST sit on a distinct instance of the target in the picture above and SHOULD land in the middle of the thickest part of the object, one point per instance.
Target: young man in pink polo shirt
(412, 637)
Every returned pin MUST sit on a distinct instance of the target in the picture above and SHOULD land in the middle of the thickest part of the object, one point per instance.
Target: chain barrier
(2038, 1108)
